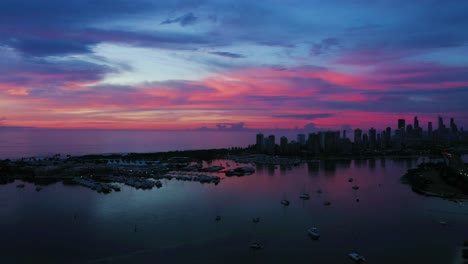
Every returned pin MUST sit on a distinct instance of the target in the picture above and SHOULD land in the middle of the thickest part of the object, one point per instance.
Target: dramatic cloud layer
(231, 64)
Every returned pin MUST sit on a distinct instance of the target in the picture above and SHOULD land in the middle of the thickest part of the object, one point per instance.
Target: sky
(118, 64)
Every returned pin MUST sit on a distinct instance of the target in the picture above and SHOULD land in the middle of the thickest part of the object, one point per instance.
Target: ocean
(18, 143)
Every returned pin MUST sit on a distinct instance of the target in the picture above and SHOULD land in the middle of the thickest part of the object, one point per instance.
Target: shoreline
(436, 180)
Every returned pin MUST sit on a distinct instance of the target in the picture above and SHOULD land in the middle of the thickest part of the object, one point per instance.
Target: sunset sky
(118, 64)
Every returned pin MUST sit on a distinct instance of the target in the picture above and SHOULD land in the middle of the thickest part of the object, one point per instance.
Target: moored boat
(356, 257)
(256, 245)
(313, 233)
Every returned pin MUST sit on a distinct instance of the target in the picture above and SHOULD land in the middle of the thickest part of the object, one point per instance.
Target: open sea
(175, 224)
(17, 143)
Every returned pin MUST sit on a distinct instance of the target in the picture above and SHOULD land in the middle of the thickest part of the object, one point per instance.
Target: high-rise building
(409, 130)
(260, 142)
(283, 144)
(401, 123)
(271, 144)
(301, 139)
(365, 139)
(344, 133)
(372, 137)
(313, 143)
(429, 128)
(357, 135)
(388, 136)
(453, 126)
(330, 145)
(416, 123)
(441, 125)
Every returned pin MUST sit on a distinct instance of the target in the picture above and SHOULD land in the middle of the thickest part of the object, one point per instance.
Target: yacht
(285, 202)
(313, 233)
(256, 245)
(304, 196)
(356, 257)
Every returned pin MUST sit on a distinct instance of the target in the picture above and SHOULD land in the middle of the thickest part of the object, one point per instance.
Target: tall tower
(283, 144)
(301, 139)
(401, 123)
(357, 135)
(260, 140)
(416, 123)
(271, 144)
(372, 137)
(440, 126)
(429, 129)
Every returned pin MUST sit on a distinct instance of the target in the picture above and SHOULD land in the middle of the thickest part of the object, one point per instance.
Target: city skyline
(216, 64)
(415, 128)
(406, 138)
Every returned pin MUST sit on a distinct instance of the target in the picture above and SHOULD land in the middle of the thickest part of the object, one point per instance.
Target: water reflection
(382, 163)
(180, 217)
(271, 170)
(313, 168)
(329, 167)
(359, 162)
(372, 164)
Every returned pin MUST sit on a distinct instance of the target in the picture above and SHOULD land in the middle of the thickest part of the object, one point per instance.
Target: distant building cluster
(404, 136)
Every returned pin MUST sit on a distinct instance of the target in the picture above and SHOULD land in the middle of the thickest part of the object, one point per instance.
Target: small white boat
(256, 245)
(285, 202)
(313, 233)
(304, 196)
(356, 257)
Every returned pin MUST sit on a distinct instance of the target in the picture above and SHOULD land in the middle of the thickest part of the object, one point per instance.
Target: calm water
(175, 224)
(42, 142)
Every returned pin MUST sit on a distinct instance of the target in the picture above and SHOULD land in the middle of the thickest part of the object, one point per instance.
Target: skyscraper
(372, 137)
(429, 128)
(357, 135)
(401, 123)
(440, 126)
(388, 136)
(301, 139)
(260, 140)
(271, 144)
(416, 123)
(453, 126)
(283, 144)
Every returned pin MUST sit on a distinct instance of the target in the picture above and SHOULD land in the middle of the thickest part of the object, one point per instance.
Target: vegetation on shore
(436, 179)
